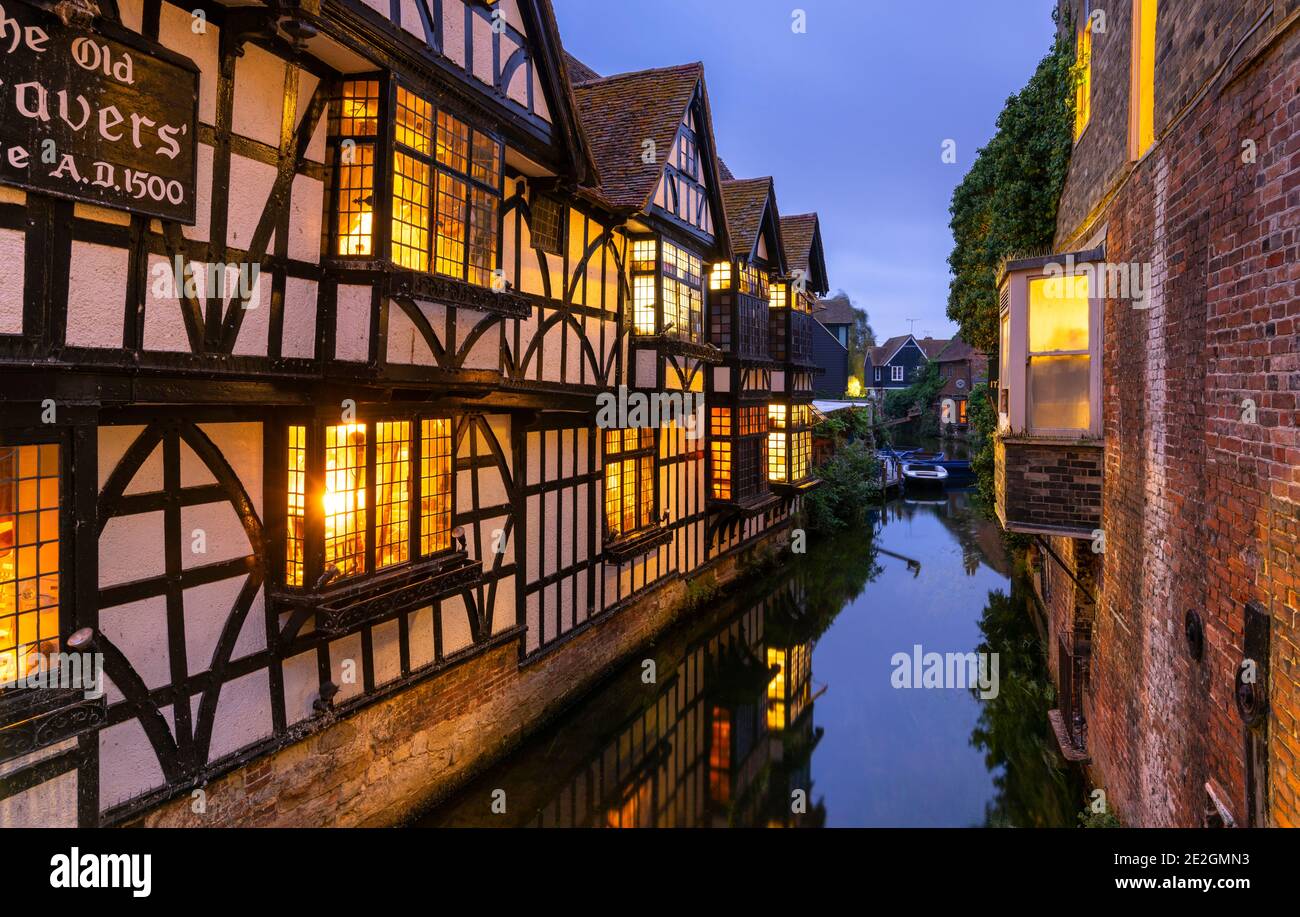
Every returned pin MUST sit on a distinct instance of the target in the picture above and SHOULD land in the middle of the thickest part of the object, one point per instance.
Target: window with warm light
(1083, 78)
(29, 557)
(667, 290)
(738, 452)
(1059, 360)
(776, 699)
(629, 481)
(720, 276)
(789, 442)
(376, 512)
(445, 187)
(1142, 102)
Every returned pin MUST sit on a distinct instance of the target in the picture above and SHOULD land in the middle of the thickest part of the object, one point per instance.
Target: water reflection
(777, 709)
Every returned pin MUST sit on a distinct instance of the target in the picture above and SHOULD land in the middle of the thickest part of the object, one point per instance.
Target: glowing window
(410, 212)
(645, 255)
(453, 142)
(643, 304)
(486, 160)
(1143, 97)
(392, 493)
(345, 498)
(779, 298)
(435, 485)
(629, 481)
(1059, 363)
(29, 558)
(776, 689)
(414, 123)
(720, 276)
(720, 757)
(482, 237)
(452, 206)
(295, 532)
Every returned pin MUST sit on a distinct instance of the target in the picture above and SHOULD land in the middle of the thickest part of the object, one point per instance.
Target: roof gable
(803, 249)
(753, 221)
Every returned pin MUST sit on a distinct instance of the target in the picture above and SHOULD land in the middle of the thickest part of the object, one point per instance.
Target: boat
(924, 473)
(959, 471)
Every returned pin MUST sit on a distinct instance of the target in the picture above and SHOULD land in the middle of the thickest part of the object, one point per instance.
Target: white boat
(924, 473)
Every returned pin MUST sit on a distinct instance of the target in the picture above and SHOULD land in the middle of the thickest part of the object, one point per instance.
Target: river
(782, 706)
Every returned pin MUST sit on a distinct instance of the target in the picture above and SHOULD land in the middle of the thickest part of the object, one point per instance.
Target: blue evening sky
(849, 117)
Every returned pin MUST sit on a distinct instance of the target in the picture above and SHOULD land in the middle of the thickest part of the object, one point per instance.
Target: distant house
(962, 367)
(836, 317)
(899, 361)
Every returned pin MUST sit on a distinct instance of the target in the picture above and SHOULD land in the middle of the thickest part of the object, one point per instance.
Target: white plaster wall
(176, 32)
(299, 336)
(138, 629)
(419, 632)
(255, 328)
(164, 326)
(96, 295)
(259, 94)
(128, 765)
(13, 245)
(352, 337)
(301, 686)
(347, 667)
(243, 714)
(207, 608)
(453, 30)
(307, 203)
(385, 649)
(130, 548)
(483, 51)
(241, 446)
(202, 196)
(455, 625)
(253, 181)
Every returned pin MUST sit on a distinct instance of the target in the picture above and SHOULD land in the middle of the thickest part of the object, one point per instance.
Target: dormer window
(1051, 357)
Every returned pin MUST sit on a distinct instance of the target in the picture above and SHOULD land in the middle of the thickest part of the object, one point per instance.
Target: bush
(850, 485)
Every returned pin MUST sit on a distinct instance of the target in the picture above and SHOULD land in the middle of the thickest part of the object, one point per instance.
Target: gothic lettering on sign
(104, 116)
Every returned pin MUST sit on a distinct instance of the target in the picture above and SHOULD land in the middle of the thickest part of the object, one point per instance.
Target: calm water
(777, 709)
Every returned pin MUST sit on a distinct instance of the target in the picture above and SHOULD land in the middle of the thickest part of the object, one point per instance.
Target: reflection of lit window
(29, 557)
(629, 480)
(776, 689)
(720, 757)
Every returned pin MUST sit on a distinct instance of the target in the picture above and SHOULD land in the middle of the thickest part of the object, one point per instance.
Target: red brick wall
(1200, 507)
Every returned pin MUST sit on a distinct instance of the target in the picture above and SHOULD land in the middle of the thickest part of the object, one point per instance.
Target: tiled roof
(931, 347)
(797, 233)
(956, 351)
(836, 311)
(724, 171)
(619, 113)
(578, 71)
(744, 200)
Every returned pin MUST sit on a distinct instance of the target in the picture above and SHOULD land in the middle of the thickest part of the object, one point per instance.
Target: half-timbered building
(309, 312)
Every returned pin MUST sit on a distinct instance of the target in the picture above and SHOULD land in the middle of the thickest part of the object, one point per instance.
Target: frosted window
(1058, 392)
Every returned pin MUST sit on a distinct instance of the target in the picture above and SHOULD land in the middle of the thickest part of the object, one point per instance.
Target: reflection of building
(962, 368)
(726, 741)
(1146, 405)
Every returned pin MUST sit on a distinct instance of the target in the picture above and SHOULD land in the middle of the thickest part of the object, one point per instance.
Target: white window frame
(895, 374)
(1015, 362)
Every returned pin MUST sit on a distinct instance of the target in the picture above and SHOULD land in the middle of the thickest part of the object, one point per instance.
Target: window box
(342, 608)
(636, 544)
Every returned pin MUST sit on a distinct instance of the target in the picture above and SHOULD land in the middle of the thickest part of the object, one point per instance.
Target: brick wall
(1049, 485)
(1201, 503)
(386, 762)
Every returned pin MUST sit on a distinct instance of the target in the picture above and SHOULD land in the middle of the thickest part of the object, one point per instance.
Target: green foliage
(850, 485)
(848, 424)
(1089, 819)
(923, 393)
(1007, 203)
(983, 423)
(701, 591)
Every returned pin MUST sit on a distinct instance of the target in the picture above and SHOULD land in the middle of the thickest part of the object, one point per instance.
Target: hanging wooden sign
(102, 116)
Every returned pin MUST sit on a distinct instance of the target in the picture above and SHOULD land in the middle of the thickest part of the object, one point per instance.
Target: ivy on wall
(1006, 205)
